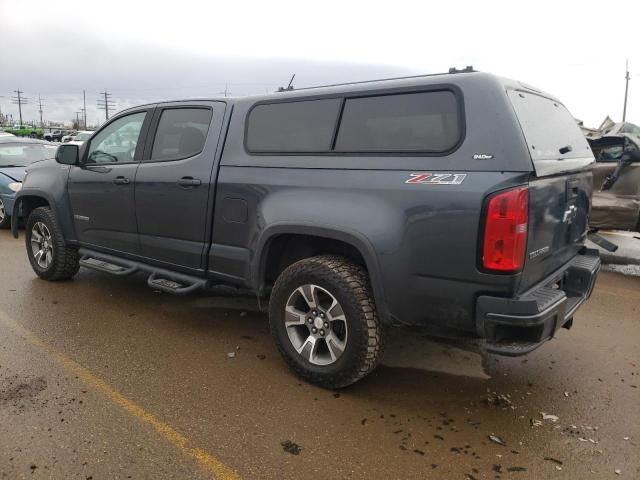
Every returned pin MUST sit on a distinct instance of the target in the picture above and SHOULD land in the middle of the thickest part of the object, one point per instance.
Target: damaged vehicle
(616, 177)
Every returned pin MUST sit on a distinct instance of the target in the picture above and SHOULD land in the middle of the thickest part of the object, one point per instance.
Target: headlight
(15, 187)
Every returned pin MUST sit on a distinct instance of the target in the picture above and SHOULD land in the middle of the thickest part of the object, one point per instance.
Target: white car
(81, 137)
(5, 134)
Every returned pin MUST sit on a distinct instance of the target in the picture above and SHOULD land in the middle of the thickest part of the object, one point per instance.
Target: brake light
(505, 233)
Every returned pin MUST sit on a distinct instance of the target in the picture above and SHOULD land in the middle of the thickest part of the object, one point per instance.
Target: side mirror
(68, 154)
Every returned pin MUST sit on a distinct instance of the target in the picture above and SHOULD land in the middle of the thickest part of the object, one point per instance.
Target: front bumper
(516, 326)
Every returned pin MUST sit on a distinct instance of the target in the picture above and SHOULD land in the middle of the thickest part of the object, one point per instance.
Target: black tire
(5, 219)
(349, 284)
(65, 263)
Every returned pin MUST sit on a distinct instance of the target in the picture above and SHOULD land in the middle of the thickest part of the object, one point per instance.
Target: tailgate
(560, 187)
(558, 220)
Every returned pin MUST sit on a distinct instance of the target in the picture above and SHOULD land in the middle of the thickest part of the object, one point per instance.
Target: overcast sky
(146, 51)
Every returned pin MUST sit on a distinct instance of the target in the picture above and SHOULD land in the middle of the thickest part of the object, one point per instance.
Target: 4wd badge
(437, 178)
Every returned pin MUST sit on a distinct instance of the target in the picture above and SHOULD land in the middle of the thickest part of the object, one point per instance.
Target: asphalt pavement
(103, 378)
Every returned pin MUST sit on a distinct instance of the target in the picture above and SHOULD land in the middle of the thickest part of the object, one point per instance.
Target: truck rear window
(551, 132)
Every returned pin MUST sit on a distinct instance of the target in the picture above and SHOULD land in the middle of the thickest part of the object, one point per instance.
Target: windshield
(553, 136)
(22, 155)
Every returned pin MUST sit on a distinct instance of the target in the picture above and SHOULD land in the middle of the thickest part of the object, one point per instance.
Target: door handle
(121, 181)
(189, 182)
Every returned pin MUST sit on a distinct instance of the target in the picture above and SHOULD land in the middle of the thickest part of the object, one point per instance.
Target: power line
(19, 100)
(105, 103)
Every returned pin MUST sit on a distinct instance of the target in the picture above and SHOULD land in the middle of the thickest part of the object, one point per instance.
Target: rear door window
(553, 136)
(412, 122)
(181, 133)
(304, 126)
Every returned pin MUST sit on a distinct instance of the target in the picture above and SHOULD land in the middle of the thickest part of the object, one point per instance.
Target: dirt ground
(102, 377)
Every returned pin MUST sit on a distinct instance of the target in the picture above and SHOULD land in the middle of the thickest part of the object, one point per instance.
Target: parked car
(54, 136)
(15, 155)
(616, 177)
(81, 137)
(6, 134)
(25, 131)
(353, 206)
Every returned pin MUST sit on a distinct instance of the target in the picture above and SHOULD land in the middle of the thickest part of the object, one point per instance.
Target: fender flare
(18, 204)
(351, 237)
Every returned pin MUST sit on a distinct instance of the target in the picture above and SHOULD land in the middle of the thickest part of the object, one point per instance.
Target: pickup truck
(54, 136)
(457, 202)
(25, 131)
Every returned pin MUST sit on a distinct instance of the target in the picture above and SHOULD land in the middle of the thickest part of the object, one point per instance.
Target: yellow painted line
(210, 463)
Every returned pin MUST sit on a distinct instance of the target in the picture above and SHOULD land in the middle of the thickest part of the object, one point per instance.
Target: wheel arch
(281, 245)
(26, 203)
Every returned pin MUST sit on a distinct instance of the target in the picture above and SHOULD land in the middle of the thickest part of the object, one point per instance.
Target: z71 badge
(437, 178)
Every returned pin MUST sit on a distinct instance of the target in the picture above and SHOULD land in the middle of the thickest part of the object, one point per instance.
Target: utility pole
(19, 100)
(84, 109)
(78, 119)
(226, 92)
(626, 93)
(40, 110)
(84, 118)
(106, 103)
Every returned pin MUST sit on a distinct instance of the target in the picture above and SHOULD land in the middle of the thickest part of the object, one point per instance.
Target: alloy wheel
(316, 324)
(41, 245)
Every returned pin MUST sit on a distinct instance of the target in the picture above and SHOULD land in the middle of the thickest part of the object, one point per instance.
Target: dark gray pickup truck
(456, 202)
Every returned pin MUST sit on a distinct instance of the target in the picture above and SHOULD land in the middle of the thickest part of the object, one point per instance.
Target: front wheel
(323, 319)
(50, 258)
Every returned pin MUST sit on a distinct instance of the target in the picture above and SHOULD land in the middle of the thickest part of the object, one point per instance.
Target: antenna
(289, 87)
(626, 92)
(106, 103)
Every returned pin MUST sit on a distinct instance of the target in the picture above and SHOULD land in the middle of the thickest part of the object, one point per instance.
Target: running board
(160, 279)
(105, 266)
(175, 286)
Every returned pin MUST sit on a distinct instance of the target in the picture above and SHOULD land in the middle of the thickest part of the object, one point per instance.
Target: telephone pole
(19, 100)
(105, 103)
(626, 93)
(226, 92)
(84, 109)
(40, 110)
(78, 119)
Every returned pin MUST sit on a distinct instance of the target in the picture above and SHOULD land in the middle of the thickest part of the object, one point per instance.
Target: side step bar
(159, 278)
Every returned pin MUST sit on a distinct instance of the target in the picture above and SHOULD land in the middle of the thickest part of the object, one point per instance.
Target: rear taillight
(505, 232)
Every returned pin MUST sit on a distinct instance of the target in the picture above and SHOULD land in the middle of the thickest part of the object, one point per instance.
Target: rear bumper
(517, 326)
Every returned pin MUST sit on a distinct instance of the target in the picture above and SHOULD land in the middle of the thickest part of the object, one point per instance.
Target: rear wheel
(50, 258)
(5, 219)
(323, 319)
